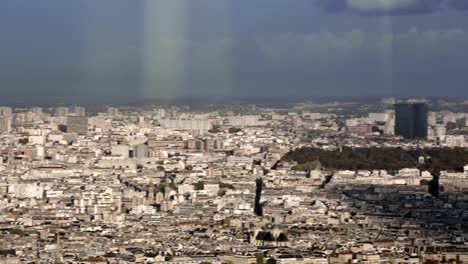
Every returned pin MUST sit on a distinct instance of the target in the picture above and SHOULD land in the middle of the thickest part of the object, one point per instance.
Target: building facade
(411, 120)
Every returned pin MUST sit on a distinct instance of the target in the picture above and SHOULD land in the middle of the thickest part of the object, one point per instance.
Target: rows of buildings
(168, 185)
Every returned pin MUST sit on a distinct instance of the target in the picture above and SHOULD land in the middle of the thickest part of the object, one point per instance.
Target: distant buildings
(5, 124)
(411, 120)
(6, 111)
(140, 185)
(202, 125)
(62, 111)
(79, 111)
(112, 111)
(243, 120)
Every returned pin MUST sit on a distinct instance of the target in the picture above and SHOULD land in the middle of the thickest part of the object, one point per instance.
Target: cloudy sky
(88, 50)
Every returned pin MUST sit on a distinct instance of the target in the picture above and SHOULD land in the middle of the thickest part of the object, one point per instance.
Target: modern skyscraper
(411, 120)
(77, 124)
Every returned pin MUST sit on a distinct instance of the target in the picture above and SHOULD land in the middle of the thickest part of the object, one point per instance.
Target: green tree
(390, 159)
(424, 182)
(223, 185)
(215, 129)
(311, 165)
(260, 258)
(110, 255)
(198, 186)
(233, 130)
(18, 231)
(23, 141)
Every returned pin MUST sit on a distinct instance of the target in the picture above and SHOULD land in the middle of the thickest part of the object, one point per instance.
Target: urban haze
(225, 132)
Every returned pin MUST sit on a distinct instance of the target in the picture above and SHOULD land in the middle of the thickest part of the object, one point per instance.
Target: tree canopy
(451, 159)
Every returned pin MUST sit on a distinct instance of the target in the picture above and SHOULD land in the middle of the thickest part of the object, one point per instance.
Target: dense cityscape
(234, 132)
(316, 183)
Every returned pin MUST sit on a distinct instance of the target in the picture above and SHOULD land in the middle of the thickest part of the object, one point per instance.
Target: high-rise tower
(411, 120)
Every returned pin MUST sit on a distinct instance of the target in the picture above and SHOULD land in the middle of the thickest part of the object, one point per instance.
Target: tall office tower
(79, 111)
(5, 124)
(77, 124)
(112, 111)
(411, 120)
(6, 111)
(62, 111)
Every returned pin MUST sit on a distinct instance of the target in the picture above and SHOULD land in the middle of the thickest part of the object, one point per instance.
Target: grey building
(141, 151)
(77, 124)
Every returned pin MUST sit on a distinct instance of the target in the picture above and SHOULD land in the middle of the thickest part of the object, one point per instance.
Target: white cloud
(382, 5)
(392, 7)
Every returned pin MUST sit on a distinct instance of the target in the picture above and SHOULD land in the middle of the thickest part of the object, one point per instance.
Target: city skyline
(234, 131)
(236, 184)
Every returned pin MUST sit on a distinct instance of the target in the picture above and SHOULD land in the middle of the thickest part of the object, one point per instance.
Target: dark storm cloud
(459, 4)
(332, 5)
(391, 7)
